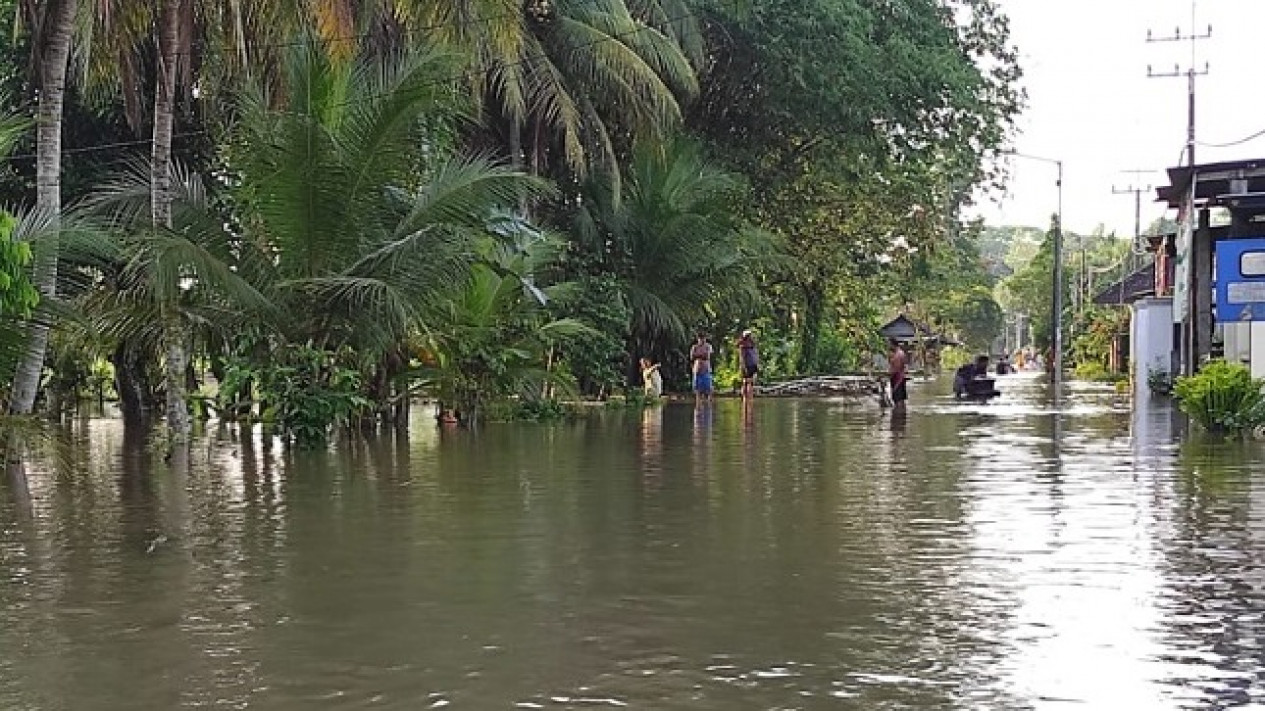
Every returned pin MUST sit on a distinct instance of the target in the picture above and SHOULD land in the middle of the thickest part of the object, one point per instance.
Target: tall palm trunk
(177, 358)
(53, 55)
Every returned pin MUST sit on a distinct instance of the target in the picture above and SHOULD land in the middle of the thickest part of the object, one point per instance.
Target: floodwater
(797, 555)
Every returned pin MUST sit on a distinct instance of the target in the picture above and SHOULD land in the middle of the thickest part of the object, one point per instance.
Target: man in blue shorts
(701, 358)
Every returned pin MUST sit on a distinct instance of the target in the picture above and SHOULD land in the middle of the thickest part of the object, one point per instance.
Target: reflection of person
(898, 375)
(651, 379)
(900, 418)
(701, 358)
(651, 440)
(749, 363)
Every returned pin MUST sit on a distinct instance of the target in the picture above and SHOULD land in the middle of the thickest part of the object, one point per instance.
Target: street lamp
(1056, 356)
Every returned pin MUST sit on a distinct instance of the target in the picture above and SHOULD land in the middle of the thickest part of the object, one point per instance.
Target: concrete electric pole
(1191, 73)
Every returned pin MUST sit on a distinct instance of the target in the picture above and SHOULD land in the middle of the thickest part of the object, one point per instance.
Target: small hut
(924, 343)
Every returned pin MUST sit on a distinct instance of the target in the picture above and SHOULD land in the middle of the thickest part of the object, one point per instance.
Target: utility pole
(1056, 349)
(1191, 72)
(1137, 189)
(1135, 248)
(1184, 313)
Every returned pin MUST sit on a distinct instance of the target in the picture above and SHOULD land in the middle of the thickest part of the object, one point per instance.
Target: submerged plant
(1222, 397)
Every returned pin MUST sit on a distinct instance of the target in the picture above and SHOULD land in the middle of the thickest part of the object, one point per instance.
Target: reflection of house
(921, 341)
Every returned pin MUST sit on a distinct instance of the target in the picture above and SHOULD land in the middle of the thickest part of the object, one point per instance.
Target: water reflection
(778, 554)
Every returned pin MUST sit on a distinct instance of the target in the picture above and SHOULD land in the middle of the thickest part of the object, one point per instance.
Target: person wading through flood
(964, 375)
(749, 363)
(701, 358)
(651, 379)
(898, 375)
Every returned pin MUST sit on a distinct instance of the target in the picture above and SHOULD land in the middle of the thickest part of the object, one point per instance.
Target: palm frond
(464, 191)
(12, 127)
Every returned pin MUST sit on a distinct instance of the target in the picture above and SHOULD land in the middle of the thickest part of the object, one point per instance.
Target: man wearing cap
(749, 363)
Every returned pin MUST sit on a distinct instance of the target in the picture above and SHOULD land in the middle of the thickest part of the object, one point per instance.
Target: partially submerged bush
(1095, 372)
(1222, 397)
(1159, 381)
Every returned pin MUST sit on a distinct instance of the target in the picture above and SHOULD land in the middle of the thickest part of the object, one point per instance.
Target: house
(923, 343)
(1147, 345)
(1219, 205)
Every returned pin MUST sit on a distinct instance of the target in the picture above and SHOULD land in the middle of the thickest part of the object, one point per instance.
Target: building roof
(1138, 285)
(903, 328)
(1214, 185)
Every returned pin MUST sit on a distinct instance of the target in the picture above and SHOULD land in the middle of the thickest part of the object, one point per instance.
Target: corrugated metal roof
(1138, 285)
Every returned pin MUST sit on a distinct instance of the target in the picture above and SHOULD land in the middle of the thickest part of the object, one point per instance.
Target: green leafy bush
(542, 410)
(1159, 381)
(954, 357)
(632, 400)
(18, 296)
(1094, 371)
(306, 392)
(1223, 397)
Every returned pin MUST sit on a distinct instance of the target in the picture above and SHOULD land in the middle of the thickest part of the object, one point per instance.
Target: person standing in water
(898, 375)
(748, 362)
(651, 379)
(701, 359)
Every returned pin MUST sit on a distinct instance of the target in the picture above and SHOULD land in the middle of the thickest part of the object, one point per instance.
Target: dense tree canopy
(482, 198)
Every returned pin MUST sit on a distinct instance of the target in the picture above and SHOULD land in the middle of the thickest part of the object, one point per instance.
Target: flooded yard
(797, 554)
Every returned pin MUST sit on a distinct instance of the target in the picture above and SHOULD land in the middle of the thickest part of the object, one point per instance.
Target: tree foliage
(483, 199)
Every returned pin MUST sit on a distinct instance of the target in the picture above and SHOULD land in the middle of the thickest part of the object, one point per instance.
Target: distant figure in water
(651, 379)
(1003, 366)
(898, 375)
(967, 373)
(701, 360)
(749, 359)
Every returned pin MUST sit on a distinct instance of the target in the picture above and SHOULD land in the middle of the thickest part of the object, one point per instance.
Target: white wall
(1151, 341)
(1238, 342)
(1258, 349)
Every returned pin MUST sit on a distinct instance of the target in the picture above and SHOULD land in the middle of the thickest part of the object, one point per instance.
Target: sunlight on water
(1035, 552)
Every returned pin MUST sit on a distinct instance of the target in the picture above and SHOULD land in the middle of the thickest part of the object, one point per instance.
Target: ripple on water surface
(1031, 553)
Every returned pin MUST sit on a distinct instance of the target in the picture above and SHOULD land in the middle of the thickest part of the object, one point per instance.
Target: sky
(1091, 105)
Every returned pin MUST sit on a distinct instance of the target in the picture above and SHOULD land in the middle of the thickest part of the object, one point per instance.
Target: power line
(107, 146)
(1231, 144)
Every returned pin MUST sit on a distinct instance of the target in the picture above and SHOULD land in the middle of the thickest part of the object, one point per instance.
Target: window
(1252, 264)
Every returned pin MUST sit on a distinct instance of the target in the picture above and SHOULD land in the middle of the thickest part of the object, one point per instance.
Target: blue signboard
(1241, 280)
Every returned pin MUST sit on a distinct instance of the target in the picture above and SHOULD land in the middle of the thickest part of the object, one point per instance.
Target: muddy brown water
(799, 554)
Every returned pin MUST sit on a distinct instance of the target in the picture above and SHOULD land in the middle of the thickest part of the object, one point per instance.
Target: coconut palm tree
(674, 243)
(564, 79)
(491, 336)
(351, 217)
(51, 23)
(345, 235)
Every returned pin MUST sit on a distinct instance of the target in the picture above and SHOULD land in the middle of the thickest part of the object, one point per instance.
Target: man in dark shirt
(969, 372)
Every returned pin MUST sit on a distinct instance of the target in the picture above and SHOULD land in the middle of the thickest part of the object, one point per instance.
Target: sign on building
(1181, 271)
(1241, 280)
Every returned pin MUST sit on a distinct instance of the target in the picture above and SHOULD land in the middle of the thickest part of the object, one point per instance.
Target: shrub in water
(1223, 397)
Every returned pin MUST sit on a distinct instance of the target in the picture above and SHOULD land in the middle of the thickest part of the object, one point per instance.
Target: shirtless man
(898, 375)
